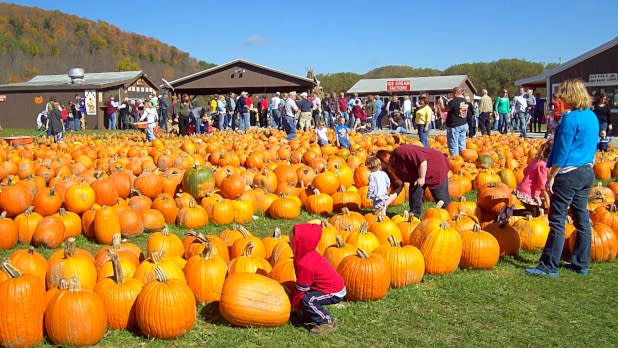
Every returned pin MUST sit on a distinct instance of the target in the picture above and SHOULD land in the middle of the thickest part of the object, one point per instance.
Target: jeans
(522, 123)
(313, 303)
(375, 121)
(228, 120)
(162, 119)
(504, 123)
(484, 123)
(183, 124)
(198, 124)
(150, 132)
(351, 121)
(112, 121)
(423, 135)
(570, 190)
(289, 125)
(276, 115)
(77, 121)
(439, 193)
(244, 121)
(456, 138)
(328, 121)
(603, 126)
(345, 117)
(221, 116)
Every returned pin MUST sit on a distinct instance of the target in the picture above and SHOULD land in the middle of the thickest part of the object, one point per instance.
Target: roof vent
(76, 75)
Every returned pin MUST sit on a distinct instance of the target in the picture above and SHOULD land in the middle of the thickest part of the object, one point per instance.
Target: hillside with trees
(34, 41)
(493, 76)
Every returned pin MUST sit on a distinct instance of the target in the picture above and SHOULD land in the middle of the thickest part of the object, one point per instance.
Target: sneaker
(323, 328)
(580, 271)
(538, 272)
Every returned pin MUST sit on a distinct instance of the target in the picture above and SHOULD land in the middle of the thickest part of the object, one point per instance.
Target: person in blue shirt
(569, 181)
(342, 132)
(604, 141)
(376, 121)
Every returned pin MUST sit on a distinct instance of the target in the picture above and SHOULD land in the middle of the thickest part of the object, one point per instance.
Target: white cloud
(255, 40)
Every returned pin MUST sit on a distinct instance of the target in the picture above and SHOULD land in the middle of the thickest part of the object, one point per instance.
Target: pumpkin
(119, 294)
(74, 262)
(26, 224)
(161, 300)
(165, 204)
(462, 207)
(23, 306)
(283, 272)
(337, 252)
(165, 241)
(106, 225)
(250, 263)
(192, 216)
(328, 237)
(384, 229)
(507, 238)
(126, 251)
(240, 244)
(233, 186)
(406, 263)
(604, 243)
(205, 273)
(532, 232)
(364, 239)
(104, 190)
(221, 212)
(194, 244)
(49, 233)
(493, 197)
(367, 278)
(28, 261)
(327, 182)
(441, 248)
(198, 181)
(254, 300)
(271, 241)
(79, 198)
(170, 265)
(319, 203)
(284, 208)
(346, 199)
(65, 313)
(8, 232)
(407, 226)
(150, 184)
(480, 250)
(131, 224)
(347, 220)
(47, 201)
(15, 198)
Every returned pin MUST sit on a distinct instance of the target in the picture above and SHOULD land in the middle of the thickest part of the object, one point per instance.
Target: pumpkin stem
(118, 275)
(439, 204)
(316, 191)
(380, 218)
(74, 285)
(29, 210)
(364, 228)
(245, 233)
(345, 211)
(277, 233)
(166, 231)
(249, 249)
(69, 248)
(31, 250)
(393, 241)
(476, 228)
(529, 217)
(406, 216)
(160, 274)
(191, 233)
(462, 199)
(207, 252)
(339, 241)
(156, 256)
(362, 253)
(116, 241)
(63, 284)
(9, 269)
(444, 224)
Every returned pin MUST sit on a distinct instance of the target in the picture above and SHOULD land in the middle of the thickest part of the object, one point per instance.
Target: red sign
(397, 85)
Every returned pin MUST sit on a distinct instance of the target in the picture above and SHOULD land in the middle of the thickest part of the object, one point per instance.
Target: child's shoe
(323, 328)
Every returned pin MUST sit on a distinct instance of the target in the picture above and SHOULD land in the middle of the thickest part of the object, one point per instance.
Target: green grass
(501, 307)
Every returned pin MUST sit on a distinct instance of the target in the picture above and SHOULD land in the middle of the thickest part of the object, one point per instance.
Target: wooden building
(20, 103)
(237, 76)
(598, 68)
(433, 86)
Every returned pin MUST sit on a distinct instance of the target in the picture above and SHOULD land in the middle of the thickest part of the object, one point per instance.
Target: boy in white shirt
(379, 183)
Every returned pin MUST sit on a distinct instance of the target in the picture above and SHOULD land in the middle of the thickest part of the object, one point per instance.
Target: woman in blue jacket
(569, 181)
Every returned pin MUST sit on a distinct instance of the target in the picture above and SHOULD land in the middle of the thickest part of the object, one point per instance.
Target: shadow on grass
(210, 314)
(520, 261)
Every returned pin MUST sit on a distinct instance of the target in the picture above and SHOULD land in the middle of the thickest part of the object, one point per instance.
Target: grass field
(498, 308)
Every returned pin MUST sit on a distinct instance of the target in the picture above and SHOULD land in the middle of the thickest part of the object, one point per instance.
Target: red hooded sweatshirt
(313, 271)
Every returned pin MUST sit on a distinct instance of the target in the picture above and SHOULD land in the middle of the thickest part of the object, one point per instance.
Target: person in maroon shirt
(421, 167)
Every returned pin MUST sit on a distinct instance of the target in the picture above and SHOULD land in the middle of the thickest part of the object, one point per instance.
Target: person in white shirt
(321, 133)
(150, 116)
(407, 113)
(316, 109)
(379, 183)
(520, 106)
(275, 103)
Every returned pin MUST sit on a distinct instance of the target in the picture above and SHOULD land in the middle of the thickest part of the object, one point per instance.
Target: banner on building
(91, 102)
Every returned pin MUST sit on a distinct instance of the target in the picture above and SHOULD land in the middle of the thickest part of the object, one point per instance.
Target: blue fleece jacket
(575, 142)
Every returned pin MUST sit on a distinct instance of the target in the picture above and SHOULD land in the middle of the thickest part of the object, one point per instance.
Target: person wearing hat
(305, 107)
(289, 118)
(275, 103)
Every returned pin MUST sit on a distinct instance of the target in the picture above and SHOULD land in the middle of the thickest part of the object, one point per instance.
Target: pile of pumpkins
(251, 279)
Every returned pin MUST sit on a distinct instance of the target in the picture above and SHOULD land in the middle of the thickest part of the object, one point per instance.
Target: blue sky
(337, 36)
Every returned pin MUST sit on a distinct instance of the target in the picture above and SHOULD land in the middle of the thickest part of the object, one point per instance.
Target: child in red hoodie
(317, 282)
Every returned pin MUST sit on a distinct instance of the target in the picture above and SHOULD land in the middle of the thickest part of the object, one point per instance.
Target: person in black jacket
(456, 122)
(602, 110)
(54, 118)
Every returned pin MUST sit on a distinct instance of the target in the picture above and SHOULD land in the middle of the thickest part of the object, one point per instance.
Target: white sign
(603, 77)
(91, 102)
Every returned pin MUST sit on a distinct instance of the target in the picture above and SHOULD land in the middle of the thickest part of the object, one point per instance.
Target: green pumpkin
(198, 181)
(485, 161)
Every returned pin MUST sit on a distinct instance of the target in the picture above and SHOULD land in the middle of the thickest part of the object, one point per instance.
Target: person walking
(456, 122)
(378, 112)
(503, 109)
(54, 117)
(275, 102)
(569, 181)
(289, 118)
(150, 117)
(485, 108)
(520, 111)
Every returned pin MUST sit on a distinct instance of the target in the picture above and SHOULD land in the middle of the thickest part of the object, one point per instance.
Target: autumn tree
(126, 64)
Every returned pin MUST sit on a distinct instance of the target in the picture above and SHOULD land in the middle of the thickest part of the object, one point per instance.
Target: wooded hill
(35, 41)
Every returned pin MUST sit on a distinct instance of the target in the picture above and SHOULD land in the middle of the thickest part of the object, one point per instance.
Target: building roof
(91, 80)
(542, 77)
(198, 74)
(417, 84)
